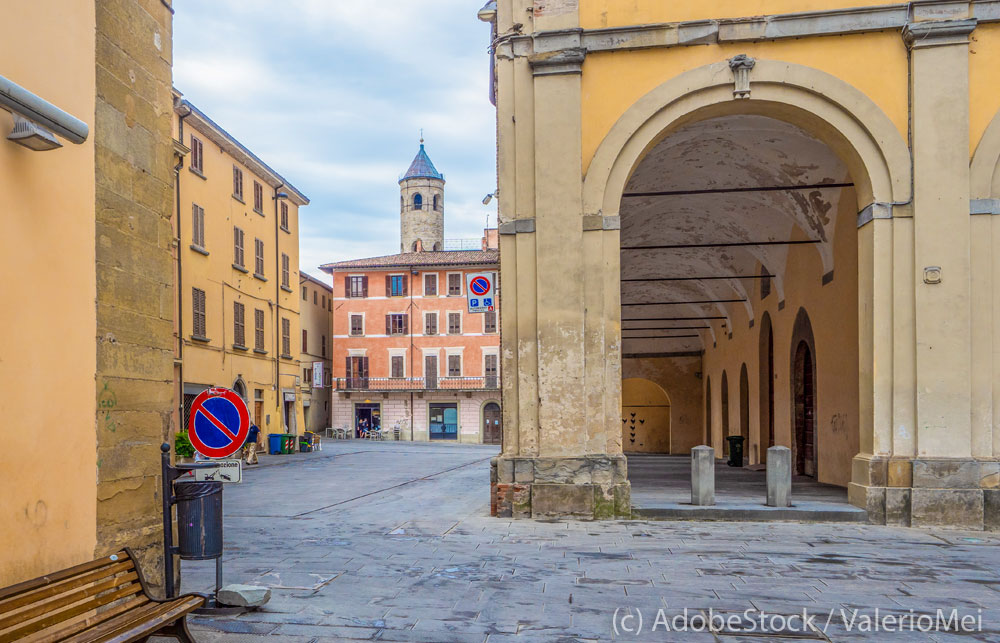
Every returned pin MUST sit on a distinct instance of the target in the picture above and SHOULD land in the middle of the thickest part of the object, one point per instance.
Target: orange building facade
(407, 354)
(406, 351)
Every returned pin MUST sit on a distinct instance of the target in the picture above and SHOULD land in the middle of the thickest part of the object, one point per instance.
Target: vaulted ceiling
(715, 193)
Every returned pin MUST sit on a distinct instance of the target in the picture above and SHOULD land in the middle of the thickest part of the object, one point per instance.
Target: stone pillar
(562, 439)
(944, 476)
(703, 476)
(779, 477)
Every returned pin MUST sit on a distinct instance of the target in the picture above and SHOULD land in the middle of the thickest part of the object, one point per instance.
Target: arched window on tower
(402, 203)
(437, 202)
(437, 246)
(418, 201)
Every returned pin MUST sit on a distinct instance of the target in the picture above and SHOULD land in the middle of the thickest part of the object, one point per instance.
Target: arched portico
(567, 344)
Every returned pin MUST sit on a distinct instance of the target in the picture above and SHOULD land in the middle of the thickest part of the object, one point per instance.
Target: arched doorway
(765, 363)
(745, 410)
(708, 411)
(645, 417)
(492, 433)
(805, 438)
(724, 412)
(240, 388)
(805, 411)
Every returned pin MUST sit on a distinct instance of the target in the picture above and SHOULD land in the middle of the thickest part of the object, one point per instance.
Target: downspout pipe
(19, 100)
(180, 274)
(277, 311)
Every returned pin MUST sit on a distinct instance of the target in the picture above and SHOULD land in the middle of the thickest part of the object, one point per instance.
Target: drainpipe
(413, 354)
(180, 276)
(277, 308)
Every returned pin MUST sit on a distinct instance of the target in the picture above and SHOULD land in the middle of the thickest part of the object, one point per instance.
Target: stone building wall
(135, 278)
(426, 224)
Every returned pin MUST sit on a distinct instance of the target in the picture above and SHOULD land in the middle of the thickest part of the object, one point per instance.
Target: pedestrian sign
(219, 423)
(482, 292)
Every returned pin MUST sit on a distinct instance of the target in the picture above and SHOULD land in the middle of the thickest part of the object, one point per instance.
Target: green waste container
(288, 443)
(735, 450)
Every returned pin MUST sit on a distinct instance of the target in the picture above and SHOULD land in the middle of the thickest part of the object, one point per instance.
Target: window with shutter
(285, 279)
(239, 327)
(198, 312)
(454, 323)
(454, 285)
(396, 324)
(197, 156)
(286, 337)
(492, 371)
(197, 225)
(430, 371)
(238, 247)
(315, 296)
(258, 329)
(490, 322)
(305, 341)
(258, 197)
(258, 268)
(305, 293)
(430, 324)
(357, 287)
(397, 366)
(284, 216)
(430, 285)
(454, 366)
(237, 183)
(396, 286)
(323, 345)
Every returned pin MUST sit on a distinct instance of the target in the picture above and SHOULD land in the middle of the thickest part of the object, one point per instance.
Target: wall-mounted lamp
(37, 121)
(280, 195)
(489, 197)
(32, 136)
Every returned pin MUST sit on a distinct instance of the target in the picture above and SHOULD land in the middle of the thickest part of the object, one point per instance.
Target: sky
(332, 94)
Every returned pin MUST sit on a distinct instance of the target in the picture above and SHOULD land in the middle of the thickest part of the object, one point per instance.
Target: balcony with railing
(407, 384)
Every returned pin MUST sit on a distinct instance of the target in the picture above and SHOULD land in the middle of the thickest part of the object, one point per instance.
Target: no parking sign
(482, 292)
(219, 423)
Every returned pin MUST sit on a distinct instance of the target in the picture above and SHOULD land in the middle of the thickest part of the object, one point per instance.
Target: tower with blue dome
(421, 206)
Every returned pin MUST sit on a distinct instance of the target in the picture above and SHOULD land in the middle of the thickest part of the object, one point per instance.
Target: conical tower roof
(422, 167)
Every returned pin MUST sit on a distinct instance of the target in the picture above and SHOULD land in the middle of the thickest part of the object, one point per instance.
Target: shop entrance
(367, 416)
(443, 421)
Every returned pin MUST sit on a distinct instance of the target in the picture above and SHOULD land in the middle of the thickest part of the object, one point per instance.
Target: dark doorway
(725, 414)
(745, 410)
(443, 421)
(708, 411)
(367, 417)
(805, 411)
(491, 423)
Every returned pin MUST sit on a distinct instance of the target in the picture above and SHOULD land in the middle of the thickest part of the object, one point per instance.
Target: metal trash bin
(735, 450)
(199, 519)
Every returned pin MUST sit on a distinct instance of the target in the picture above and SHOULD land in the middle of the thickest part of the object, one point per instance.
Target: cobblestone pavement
(393, 542)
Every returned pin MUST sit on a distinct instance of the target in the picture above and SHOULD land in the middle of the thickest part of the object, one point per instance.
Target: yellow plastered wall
(984, 99)
(614, 81)
(832, 311)
(47, 358)
(220, 361)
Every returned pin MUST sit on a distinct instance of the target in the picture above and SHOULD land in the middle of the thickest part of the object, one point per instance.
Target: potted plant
(183, 448)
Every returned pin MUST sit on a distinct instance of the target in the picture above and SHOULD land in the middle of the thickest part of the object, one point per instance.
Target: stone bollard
(703, 476)
(779, 477)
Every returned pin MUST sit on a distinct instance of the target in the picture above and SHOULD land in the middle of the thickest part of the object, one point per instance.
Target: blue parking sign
(474, 303)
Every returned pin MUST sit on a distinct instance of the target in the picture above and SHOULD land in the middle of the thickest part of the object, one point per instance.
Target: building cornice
(856, 20)
(199, 121)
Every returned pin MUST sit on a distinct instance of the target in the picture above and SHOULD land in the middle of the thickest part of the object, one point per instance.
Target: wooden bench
(105, 600)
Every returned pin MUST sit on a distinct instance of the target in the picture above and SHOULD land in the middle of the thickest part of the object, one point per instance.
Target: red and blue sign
(219, 423)
(479, 286)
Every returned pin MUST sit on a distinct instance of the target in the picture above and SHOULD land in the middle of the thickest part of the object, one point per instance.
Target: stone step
(747, 512)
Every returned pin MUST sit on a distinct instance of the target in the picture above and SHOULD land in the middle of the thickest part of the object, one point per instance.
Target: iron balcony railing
(417, 383)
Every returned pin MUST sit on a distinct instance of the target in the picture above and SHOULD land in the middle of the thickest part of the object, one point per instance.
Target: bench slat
(38, 595)
(84, 622)
(138, 623)
(67, 613)
(48, 579)
(40, 608)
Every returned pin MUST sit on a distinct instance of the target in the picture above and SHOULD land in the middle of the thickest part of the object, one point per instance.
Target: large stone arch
(832, 110)
(984, 171)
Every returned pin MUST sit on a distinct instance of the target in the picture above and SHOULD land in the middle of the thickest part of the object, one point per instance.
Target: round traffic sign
(480, 286)
(219, 423)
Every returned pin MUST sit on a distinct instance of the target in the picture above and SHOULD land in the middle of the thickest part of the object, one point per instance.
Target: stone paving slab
(393, 542)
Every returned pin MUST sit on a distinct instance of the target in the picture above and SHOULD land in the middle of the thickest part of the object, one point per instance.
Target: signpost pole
(168, 527)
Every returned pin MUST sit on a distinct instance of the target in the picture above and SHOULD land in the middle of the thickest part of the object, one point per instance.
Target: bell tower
(421, 206)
